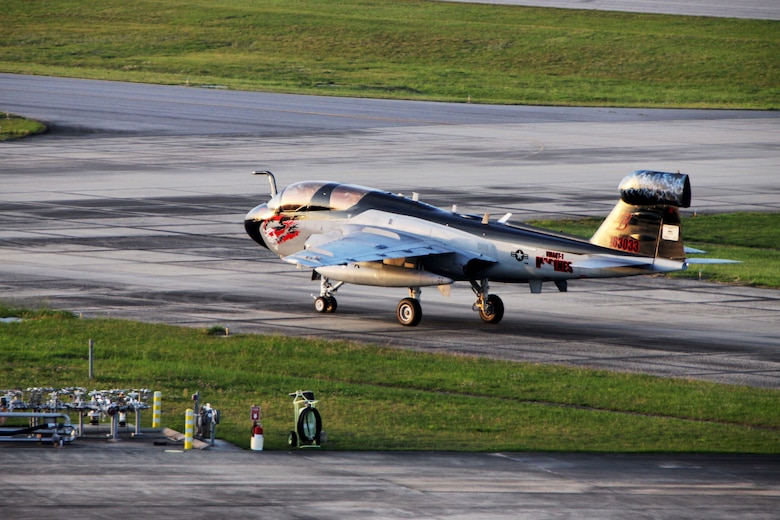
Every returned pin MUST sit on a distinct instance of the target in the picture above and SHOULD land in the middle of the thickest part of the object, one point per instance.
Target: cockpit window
(297, 196)
(344, 196)
(317, 196)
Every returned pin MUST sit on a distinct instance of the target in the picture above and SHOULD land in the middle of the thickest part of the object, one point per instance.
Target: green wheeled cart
(308, 423)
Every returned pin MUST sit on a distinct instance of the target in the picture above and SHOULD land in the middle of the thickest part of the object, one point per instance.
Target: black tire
(493, 311)
(325, 304)
(309, 426)
(408, 312)
(321, 304)
(292, 440)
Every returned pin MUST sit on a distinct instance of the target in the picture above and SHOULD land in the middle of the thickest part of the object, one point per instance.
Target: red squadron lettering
(556, 260)
(625, 244)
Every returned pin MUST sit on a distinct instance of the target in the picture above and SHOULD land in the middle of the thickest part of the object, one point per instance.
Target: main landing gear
(409, 310)
(489, 306)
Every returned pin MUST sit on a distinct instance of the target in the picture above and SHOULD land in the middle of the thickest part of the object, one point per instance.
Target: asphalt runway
(133, 207)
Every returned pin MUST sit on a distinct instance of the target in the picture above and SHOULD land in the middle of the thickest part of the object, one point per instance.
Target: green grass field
(411, 49)
(389, 399)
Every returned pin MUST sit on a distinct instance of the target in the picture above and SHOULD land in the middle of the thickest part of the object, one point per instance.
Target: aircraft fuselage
(501, 252)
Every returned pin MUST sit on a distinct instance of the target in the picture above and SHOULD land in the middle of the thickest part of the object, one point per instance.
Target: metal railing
(41, 405)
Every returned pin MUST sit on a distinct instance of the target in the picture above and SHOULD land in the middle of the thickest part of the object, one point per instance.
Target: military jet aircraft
(353, 234)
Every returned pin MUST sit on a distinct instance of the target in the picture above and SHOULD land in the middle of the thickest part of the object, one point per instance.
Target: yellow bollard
(189, 421)
(156, 409)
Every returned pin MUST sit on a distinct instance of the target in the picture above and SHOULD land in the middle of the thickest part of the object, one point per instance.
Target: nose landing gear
(326, 302)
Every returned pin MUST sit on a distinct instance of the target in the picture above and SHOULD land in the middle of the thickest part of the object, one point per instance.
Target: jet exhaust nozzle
(649, 188)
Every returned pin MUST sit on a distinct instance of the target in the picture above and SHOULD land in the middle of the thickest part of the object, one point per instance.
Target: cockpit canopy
(317, 196)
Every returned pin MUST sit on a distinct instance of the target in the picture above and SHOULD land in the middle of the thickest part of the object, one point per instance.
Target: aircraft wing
(371, 244)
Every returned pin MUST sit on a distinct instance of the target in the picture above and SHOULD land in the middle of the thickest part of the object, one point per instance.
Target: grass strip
(15, 127)
(388, 399)
(411, 49)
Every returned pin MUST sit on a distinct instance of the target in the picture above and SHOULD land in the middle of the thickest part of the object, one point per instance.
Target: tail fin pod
(646, 220)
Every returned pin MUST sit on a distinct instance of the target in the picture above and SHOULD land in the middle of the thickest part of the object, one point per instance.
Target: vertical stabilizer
(646, 219)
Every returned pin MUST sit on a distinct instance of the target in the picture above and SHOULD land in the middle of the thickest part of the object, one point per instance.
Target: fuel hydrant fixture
(308, 423)
(206, 420)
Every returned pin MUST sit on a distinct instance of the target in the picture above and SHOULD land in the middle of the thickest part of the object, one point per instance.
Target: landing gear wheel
(292, 440)
(409, 312)
(325, 304)
(493, 310)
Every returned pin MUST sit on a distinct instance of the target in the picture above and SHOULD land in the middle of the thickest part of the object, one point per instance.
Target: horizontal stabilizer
(611, 262)
(693, 251)
(597, 266)
(711, 261)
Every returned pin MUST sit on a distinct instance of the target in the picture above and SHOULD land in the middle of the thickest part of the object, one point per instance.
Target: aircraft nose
(253, 220)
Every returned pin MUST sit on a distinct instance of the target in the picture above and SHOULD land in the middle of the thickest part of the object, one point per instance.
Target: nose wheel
(326, 302)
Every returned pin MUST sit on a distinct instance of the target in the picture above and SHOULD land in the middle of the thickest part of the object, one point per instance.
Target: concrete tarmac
(144, 478)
